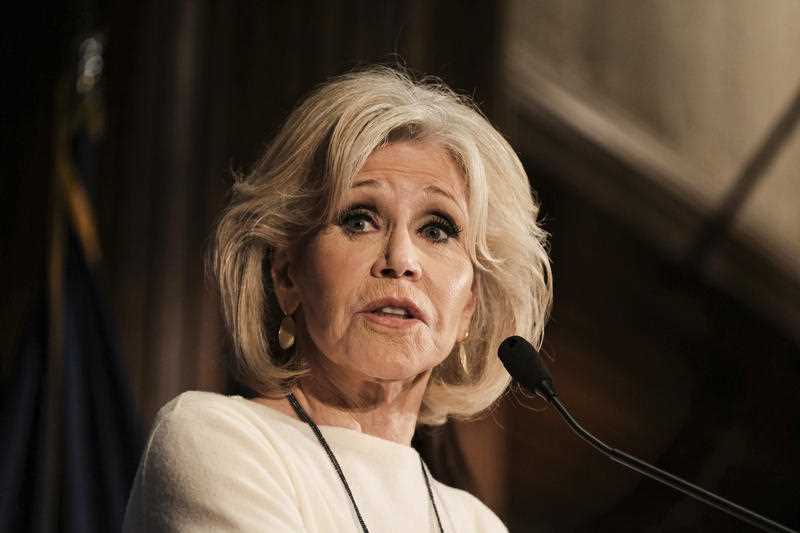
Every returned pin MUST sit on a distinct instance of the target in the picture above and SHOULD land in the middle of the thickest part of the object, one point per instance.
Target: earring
(286, 332)
(462, 355)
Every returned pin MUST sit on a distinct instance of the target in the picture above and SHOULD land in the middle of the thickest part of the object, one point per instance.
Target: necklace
(302, 415)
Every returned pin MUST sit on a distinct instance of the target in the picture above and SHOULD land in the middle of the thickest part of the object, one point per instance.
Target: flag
(71, 439)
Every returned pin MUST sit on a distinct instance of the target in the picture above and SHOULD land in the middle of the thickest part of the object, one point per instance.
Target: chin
(399, 374)
(394, 365)
(378, 356)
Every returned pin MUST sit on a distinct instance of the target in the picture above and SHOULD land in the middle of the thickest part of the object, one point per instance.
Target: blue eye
(440, 229)
(434, 233)
(356, 220)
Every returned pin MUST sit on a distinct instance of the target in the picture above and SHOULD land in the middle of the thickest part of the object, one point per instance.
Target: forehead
(414, 167)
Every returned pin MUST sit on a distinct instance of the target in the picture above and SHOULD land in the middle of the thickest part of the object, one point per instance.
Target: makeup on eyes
(450, 227)
(368, 212)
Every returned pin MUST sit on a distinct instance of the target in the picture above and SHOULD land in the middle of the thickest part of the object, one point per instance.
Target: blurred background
(661, 138)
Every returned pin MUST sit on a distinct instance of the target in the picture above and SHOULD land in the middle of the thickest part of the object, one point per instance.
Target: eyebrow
(430, 189)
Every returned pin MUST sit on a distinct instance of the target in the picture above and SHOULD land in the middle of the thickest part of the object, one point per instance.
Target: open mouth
(394, 312)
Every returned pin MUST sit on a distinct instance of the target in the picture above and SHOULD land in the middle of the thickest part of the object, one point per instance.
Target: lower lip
(392, 322)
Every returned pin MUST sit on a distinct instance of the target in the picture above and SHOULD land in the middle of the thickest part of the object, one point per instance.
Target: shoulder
(194, 407)
(209, 459)
(195, 423)
(467, 512)
(204, 432)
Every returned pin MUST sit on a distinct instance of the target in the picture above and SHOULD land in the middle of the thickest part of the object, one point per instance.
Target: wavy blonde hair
(293, 190)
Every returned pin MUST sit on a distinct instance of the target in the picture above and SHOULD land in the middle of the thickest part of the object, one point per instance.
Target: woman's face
(386, 290)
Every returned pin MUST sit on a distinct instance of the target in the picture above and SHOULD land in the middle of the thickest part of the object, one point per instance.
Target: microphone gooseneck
(526, 367)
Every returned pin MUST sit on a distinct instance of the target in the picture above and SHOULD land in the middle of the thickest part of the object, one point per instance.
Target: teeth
(394, 311)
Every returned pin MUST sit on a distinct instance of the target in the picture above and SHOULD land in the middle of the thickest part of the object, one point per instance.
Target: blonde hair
(295, 187)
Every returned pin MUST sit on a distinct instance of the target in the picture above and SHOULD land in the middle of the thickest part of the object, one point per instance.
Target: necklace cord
(303, 415)
(430, 493)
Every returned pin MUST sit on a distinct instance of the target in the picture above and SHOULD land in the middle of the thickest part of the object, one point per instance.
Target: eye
(356, 220)
(440, 229)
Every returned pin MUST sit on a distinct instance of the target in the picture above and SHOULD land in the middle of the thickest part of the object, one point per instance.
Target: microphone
(526, 367)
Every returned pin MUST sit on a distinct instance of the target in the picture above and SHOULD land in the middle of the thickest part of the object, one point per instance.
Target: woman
(368, 267)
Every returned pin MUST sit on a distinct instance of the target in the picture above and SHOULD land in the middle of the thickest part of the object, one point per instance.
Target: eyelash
(438, 220)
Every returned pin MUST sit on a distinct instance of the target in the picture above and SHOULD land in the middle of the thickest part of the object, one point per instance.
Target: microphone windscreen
(525, 365)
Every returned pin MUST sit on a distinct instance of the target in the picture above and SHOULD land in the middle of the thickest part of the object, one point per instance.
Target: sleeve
(205, 468)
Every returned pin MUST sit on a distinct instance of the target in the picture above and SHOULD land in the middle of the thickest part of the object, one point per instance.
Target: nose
(399, 259)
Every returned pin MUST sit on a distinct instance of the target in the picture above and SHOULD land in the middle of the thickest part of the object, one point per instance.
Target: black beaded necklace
(302, 415)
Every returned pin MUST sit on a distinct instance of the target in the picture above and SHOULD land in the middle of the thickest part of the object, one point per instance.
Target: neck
(387, 409)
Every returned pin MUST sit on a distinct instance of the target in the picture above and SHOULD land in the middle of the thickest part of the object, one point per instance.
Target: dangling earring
(462, 355)
(286, 332)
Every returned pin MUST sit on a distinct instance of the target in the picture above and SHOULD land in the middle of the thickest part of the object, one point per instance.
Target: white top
(219, 463)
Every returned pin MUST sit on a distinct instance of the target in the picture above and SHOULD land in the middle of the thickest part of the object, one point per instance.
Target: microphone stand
(746, 515)
(524, 365)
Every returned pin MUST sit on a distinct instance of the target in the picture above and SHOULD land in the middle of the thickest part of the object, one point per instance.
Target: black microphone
(526, 367)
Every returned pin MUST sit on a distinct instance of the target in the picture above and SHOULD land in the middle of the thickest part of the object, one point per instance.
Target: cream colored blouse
(219, 463)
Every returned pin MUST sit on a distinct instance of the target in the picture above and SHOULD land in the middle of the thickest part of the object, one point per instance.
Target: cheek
(327, 280)
(455, 290)
(318, 294)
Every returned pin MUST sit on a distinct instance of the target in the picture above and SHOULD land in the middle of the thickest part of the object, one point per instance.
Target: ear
(469, 310)
(286, 290)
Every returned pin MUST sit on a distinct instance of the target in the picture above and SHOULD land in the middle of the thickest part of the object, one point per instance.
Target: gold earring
(462, 355)
(286, 332)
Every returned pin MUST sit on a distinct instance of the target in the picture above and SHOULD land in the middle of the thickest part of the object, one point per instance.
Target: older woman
(368, 267)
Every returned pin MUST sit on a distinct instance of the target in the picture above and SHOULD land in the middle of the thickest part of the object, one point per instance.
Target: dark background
(649, 350)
